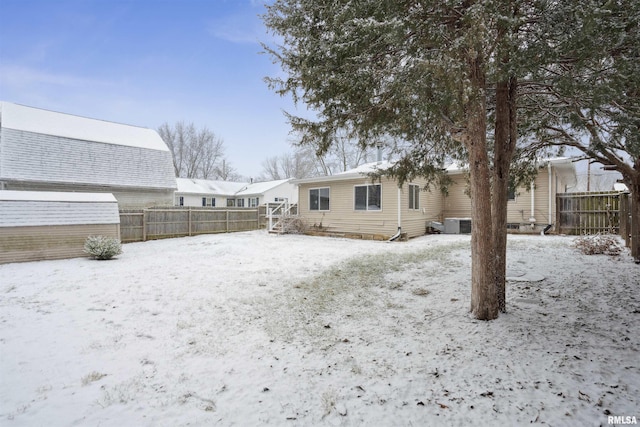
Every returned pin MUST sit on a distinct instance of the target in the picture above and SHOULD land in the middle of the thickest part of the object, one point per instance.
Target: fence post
(189, 221)
(144, 225)
(624, 218)
(227, 229)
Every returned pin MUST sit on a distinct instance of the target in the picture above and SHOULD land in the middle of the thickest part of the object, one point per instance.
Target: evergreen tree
(445, 77)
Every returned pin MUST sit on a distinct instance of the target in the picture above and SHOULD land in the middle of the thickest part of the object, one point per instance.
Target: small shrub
(606, 244)
(293, 225)
(102, 247)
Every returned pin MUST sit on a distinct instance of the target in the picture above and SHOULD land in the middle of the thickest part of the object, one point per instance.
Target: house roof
(358, 172)
(204, 186)
(225, 188)
(564, 165)
(36, 120)
(40, 146)
(620, 186)
(261, 187)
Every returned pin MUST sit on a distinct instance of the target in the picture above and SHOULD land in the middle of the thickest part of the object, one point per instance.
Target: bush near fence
(137, 225)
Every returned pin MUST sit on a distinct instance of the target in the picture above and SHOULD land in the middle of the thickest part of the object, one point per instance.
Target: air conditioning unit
(457, 225)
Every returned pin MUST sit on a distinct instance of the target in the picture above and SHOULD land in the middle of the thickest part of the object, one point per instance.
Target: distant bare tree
(225, 172)
(344, 154)
(299, 164)
(304, 161)
(196, 153)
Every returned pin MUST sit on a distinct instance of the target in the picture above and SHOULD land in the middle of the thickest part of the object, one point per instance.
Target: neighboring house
(201, 192)
(37, 225)
(42, 150)
(351, 203)
(259, 193)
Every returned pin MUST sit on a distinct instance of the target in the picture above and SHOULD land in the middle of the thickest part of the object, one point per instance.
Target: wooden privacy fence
(138, 225)
(590, 213)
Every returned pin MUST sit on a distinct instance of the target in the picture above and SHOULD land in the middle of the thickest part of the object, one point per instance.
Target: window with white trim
(414, 196)
(319, 199)
(253, 202)
(181, 201)
(204, 201)
(368, 197)
(240, 203)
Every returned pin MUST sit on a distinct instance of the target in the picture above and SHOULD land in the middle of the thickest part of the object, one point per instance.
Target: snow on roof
(453, 168)
(366, 168)
(30, 119)
(357, 172)
(55, 196)
(261, 187)
(204, 186)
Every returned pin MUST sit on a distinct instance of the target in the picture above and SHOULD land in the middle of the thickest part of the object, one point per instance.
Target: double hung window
(414, 196)
(319, 199)
(368, 197)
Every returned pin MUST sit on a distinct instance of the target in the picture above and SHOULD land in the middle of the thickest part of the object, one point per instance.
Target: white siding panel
(31, 156)
(39, 213)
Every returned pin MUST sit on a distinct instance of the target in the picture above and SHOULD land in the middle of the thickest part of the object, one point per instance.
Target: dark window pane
(360, 198)
(375, 199)
(324, 199)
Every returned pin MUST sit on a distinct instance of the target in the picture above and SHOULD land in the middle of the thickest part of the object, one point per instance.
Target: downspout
(399, 232)
(532, 218)
(550, 224)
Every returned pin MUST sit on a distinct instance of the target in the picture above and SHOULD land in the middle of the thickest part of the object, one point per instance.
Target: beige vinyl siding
(343, 218)
(18, 244)
(414, 222)
(458, 204)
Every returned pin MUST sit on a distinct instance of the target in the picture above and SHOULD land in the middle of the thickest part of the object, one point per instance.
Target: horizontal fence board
(166, 222)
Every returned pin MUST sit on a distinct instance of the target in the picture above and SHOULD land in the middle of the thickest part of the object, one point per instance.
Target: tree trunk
(504, 147)
(484, 304)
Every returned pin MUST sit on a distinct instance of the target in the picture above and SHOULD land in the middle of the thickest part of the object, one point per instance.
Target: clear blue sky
(144, 62)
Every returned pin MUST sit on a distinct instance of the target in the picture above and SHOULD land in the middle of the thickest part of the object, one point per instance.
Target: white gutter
(399, 232)
(400, 208)
(550, 193)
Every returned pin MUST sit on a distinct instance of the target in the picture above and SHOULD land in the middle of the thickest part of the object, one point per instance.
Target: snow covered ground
(256, 329)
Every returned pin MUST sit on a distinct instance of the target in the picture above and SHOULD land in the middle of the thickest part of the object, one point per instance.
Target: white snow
(204, 186)
(258, 329)
(261, 187)
(30, 119)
